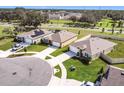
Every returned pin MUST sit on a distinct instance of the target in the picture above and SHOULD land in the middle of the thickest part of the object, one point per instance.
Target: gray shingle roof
(35, 33)
(94, 45)
(114, 77)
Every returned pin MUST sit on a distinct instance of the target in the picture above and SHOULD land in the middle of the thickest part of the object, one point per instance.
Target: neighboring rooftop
(94, 45)
(35, 33)
(24, 71)
(115, 77)
(62, 36)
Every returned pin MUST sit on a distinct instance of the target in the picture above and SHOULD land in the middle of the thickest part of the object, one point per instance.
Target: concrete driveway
(55, 81)
(61, 58)
(8, 52)
(45, 52)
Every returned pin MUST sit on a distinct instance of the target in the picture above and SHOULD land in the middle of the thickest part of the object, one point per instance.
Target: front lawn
(35, 48)
(118, 52)
(83, 71)
(60, 51)
(59, 73)
(6, 44)
(19, 55)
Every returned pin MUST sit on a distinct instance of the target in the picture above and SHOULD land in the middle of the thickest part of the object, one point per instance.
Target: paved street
(55, 81)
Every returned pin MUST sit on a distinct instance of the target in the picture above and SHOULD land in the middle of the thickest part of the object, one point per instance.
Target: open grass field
(83, 32)
(58, 74)
(107, 24)
(35, 48)
(83, 71)
(6, 44)
(60, 21)
(1, 29)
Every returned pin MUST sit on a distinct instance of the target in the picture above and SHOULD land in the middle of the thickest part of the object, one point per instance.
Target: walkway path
(61, 58)
(45, 52)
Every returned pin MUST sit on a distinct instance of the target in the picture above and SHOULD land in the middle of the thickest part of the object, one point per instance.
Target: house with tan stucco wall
(60, 39)
(92, 47)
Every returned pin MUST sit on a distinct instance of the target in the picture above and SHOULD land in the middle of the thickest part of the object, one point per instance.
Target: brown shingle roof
(62, 36)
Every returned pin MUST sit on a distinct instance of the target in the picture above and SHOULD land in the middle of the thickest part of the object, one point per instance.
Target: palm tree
(120, 30)
(113, 26)
(103, 30)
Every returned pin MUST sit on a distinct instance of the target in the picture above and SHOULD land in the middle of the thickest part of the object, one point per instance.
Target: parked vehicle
(87, 83)
(16, 47)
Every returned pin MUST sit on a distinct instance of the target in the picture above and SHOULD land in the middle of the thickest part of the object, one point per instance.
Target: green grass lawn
(60, 21)
(82, 71)
(83, 32)
(18, 55)
(119, 65)
(36, 48)
(47, 57)
(118, 52)
(6, 44)
(58, 74)
(107, 24)
(59, 51)
(1, 29)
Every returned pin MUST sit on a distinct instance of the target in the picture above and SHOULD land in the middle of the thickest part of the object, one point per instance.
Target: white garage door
(73, 49)
(28, 40)
(56, 44)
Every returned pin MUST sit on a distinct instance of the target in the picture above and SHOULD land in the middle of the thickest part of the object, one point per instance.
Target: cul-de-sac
(61, 47)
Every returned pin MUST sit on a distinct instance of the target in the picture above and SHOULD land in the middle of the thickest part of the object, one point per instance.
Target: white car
(87, 83)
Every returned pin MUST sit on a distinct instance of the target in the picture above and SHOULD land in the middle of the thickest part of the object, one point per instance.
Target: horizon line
(68, 7)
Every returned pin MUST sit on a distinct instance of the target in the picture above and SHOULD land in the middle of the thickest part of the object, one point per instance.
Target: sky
(70, 7)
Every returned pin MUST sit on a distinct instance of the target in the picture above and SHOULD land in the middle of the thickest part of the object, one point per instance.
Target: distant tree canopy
(35, 17)
(73, 18)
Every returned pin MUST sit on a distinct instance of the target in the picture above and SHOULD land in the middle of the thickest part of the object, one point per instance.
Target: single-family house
(113, 77)
(92, 47)
(33, 37)
(60, 39)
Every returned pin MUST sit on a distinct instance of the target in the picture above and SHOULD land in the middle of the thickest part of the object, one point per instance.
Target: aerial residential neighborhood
(45, 47)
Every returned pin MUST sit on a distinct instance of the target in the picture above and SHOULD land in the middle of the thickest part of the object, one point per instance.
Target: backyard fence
(111, 60)
(109, 37)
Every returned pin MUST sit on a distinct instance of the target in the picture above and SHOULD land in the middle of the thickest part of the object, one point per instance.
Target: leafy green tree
(73, 19)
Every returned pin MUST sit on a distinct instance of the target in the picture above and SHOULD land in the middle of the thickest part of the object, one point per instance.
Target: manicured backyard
(118, 52)
(59, 73)
(83, 71)
(36, 48)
